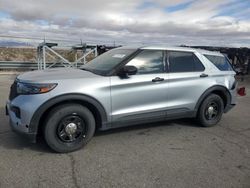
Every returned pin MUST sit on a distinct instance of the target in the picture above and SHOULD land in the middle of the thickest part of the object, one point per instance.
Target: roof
(186, 49)
(169, 48)
(174, 48)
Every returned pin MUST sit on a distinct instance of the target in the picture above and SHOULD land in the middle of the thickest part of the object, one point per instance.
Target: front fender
(35, 120)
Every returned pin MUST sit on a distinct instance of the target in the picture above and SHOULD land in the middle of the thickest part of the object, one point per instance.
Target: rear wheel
(69, 127)
(210, 111)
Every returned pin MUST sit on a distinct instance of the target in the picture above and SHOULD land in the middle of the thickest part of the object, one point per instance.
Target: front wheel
(210, 111)
(69, 127)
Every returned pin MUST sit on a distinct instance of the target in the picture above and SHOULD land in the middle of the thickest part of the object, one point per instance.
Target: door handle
(157, 79)
(203, 75)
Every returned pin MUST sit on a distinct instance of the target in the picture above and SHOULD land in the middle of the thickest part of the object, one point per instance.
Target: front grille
(13, 91)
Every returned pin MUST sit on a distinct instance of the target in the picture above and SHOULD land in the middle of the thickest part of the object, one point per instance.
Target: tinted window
(148, 62)
(184, 62)
(221, 62)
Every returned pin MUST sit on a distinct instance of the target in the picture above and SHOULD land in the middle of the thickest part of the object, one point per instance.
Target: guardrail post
(44, 60)
(96, 53)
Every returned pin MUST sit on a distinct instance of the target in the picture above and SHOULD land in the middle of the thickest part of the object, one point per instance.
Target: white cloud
(127, 22)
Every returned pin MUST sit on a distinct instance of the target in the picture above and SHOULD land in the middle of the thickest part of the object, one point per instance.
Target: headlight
(30, 88)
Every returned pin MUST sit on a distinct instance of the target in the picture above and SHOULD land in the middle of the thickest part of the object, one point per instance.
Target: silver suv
(124, 86)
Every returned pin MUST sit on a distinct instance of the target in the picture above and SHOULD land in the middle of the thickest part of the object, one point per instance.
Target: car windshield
(104, 63)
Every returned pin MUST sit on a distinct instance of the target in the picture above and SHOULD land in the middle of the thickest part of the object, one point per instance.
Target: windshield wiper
(94, 71)
(85, 69)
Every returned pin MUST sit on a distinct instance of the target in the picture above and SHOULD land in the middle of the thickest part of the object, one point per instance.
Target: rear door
(144, 95)
(187, 81)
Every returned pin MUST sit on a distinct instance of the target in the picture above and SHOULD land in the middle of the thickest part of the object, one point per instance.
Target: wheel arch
(92, 104)
(222, 91)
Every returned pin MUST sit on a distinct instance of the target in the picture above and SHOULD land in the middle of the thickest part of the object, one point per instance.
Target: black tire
(57, 122)
(210, 111)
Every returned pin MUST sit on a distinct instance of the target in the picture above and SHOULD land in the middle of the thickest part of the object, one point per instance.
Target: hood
(55, 74)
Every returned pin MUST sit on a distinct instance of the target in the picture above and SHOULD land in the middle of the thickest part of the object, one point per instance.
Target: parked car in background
(124, 86)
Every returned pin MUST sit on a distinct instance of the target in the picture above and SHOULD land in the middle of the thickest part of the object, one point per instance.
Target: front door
(142, 96)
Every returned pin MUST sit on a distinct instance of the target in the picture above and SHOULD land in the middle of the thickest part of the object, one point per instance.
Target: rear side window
(184, 62)
(221, 62)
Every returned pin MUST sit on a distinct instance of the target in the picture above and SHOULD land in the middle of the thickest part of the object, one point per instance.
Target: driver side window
(148, 62)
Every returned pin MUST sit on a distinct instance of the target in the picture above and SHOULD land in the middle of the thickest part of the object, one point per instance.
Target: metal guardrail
(19, 65)
(45, 50)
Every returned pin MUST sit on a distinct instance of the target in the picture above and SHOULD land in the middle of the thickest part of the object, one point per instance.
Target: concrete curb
(9, 73)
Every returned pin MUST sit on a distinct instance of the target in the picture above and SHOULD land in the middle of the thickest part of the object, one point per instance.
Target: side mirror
(127, 70)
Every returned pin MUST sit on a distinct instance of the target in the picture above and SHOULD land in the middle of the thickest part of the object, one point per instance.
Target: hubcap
(211, 111)
(71, 128)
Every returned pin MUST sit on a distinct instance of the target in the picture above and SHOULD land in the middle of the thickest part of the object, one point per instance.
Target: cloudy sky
(174, 22)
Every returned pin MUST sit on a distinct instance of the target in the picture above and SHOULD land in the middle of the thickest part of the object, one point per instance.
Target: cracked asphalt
(167, 154)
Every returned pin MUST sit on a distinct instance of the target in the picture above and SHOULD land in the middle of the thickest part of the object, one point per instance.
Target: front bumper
(17, 125)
